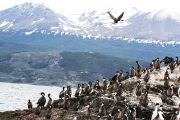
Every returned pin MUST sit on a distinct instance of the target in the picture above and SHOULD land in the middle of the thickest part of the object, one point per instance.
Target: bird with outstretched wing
(116, 20)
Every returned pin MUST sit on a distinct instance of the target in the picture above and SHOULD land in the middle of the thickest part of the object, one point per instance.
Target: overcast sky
(80, 6)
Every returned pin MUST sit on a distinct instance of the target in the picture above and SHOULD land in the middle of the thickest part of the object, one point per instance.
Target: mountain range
(32, 18)
(35, 27)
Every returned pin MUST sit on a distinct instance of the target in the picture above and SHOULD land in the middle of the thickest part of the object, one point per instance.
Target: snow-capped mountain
(32, 18)
(157, 25)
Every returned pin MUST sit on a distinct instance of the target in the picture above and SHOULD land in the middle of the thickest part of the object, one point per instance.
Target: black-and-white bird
(116, 20)
(155, 112)
(42, 100)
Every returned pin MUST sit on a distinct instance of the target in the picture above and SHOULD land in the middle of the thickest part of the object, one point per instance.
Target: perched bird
(49, 104)
(42, 101)
(62, 93)
(167, 60)
(116, 20)
(175, 115)
(121, 76)
(77, 93)
(76, 105)
(68, 91)
(166, 75)
(166, 84)
(119, 89)
(29, 104)
(157, 64)
(88, 113)
(132, 72)
(170, 92)
(155, 112)
(163, 96)
(102, 110)
(118, 115)
(88, 89)
(115, 77)
(139, 70)
(151, 66)
(144, 99)
(132, 115)
(109, 117)
(178, 116)
(126, 76)
(172, 66)
(179, 92)
(177, 61)
(138, 89)
(66, 104)
(160, 115)
(147, 76)
(105, 84)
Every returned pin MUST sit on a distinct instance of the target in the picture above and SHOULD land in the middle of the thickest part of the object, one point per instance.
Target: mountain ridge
(145, 26)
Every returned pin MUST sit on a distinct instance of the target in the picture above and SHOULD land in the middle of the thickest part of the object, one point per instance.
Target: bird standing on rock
(102, 110)
(68, 91)
(177, 61)
(155, 112)
(42, 101)
(175, 115)
(170, 92)
(166, 75)
(62, 93)
(132, 72)
(139, 70)
(77, 93)
(144, 99)
(147, 76)
(179, 92)
(118, 115)
(49, 104)
(88, 113)
(138, 89)
(157, 64)
(29, 104)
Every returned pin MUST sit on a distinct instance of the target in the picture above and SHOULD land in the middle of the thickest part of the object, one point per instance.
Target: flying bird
(116, 20)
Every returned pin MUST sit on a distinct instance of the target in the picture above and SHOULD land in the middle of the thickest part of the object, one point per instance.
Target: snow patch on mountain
(164, 14)
(31, 32)
(37, 21)
(66, 28)
(9, 26)
(4, 23)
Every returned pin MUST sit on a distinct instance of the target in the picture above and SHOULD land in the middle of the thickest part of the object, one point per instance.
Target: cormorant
(42, 101)
(29, 104)
(116, 20)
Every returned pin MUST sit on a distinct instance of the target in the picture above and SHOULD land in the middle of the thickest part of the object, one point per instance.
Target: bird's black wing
(120, 17)
(111, 15)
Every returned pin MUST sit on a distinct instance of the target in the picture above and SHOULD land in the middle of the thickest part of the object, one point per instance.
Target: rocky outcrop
(104, 104)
